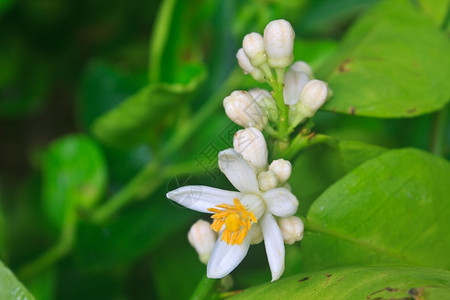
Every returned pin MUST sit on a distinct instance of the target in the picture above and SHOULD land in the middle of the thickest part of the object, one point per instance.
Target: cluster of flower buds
(259, 54)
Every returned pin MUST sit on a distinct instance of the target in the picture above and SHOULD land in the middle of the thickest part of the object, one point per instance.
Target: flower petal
(225, 258)
(273, 240)
(293, 85)
(200, 197)
(280, 202)
(238, 171)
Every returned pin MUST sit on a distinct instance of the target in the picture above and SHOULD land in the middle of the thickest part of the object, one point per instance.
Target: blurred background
(64, 64)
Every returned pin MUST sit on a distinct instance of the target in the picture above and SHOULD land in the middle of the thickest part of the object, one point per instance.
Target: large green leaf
(318, 167)
(396, 282)
(393, 208)
(132, 120)
(74, 176)
(10, 287)
(393, 63)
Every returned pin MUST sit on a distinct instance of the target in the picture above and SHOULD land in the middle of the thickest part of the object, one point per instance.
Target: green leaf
(131, 121)
(10, 287)
(393, 63)
(318, 167)
(175, 54)
(387, 282)
(314, 52)
(74, 176)
(393, 208)
(437, 10)
(102, 87)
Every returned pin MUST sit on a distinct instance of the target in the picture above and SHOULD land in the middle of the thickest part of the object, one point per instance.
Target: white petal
(280, 202)
(273, 240)
(200, 197)
(250, 143)
(225, 258)
(293, 85)
(238, 171)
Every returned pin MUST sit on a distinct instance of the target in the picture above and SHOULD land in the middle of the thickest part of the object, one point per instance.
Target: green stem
(159, 38)
(283, 117)
(301, 142)
(58, 251)
(206, 289)
(438, 131)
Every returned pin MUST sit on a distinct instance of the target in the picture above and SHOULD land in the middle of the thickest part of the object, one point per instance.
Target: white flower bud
(203, 239)
(294, 82)
(312, 97)
(266, 102)
(279, 43)
(257, 234)
(247, 67)
(267, 181)
(243, 110)
(253, 45)
(301, 66)
(282, 169)
(250, 143)
(291, 228)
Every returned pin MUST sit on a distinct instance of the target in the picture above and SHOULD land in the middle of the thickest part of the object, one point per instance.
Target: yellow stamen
(237, 221)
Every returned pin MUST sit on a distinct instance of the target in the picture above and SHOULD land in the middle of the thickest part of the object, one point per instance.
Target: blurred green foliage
(107, 105)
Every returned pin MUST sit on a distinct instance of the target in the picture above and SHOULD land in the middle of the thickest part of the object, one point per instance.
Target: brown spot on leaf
(344, 66)
(352, 110)
(342, 278)
(388, 289)
(411, 110)
(303, 279)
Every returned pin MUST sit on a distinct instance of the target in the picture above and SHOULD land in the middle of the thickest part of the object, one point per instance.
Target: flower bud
(312, 97)
(253, 45)
(250, 143)
(203, 239)
(266, 102)
(247, 67)
(257, 235)
(279, 43)
(301, 66)
(267, 181)
(294, 82)
(243, 110)
(291, 228)
(282, 169)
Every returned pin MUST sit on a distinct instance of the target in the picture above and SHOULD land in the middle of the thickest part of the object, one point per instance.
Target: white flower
(253, 45)
(299, 74)
(238, 214)
(202, 238)
(292, 229)
(266, 102)
(282, 169)
(312, 97)
(279, 43)
(243, 110)
(250, 143)
(247, 67)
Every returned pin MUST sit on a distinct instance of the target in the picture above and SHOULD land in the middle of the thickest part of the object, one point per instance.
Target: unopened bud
(250, 143)
(279, 43)
(243, 110)
(294, 82)
(257, 234)
(253, 45)
(267, 181)
(312, 97)
(203, 239)
(301, 66)
(247, 67)
(282, 169)
(266, 102)
(291, 228)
